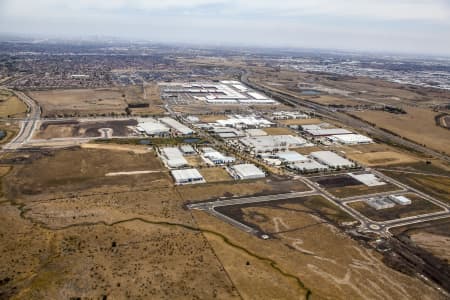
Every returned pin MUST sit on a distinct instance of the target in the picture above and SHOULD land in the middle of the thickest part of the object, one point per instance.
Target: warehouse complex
(223, 92)
(332, 160)
(214, 157)
(162, 127)
(272, 143)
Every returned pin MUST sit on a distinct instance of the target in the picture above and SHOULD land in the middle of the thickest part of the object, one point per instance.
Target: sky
(405, 26)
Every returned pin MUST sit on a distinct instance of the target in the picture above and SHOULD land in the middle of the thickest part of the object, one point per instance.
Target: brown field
(377, 155)
(301, 259)
(211, 118)
(300, 121)
(71, 234)
(216, 174)
(437, 244)
(419, 206)
(80, 101)
(11, 106)
(334, 100)
(279, 131)
(195, 161)
(417, 125)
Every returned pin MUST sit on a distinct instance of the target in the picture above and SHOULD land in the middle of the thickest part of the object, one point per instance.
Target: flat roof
(291, 156)
(183, 129)
(352, 138)
(331, 159)
(186, 175)
(248, 170)
(308, 165)
(325, 132)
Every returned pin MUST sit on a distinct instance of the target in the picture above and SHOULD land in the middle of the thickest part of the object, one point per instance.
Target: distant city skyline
(405, 26)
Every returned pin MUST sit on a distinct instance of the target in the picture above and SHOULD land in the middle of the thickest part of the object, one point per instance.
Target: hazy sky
(416, 26)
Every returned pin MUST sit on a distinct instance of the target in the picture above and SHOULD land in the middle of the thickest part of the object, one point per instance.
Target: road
(28, 125)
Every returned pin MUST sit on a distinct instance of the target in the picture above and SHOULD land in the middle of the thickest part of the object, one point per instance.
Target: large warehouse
(173, 157)
(308, 166)
(215, 157)
(351, 139)
(187, 176)
(271, 143)
(247, 171)
(182, 129)
(331, 159)
(152, 127)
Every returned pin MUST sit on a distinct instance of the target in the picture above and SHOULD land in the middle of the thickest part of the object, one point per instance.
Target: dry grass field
(377, 155)
(80, 101)
(216, 174)
(300, 121)
(279, 131)
(11, 106)
(335, 100)
(417, 125)
(301, 260)
(211, 118)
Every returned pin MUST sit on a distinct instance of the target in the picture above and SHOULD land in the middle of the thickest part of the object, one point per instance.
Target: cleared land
(82, 102)
(74, 128)
(417, 125)
(300, 121)
(11, 106)
(279, 131)
(217, 174)
(211, 118)
(419, 206)
(376, 155)
(301, 259)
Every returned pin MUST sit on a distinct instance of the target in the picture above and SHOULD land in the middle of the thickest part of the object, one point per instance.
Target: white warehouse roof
(177, 125)
(291, 156)
(272, 142)
(248, 171)
(331, 159)
(187, 176)
(174, 157)
(152, 127)
(310, 165)
(326, 132)
(352, 139)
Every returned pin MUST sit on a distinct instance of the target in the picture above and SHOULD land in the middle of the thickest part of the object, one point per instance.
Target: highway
(28, 125)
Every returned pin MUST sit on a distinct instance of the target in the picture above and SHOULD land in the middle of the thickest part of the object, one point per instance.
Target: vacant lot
(417, 125)
(419, 206)
(212, 118)
(300, 121)
(11, 106)
(217, 174)
(80, 169)
(81, 101)
(66, 129)
(279, 131)
(301, 259)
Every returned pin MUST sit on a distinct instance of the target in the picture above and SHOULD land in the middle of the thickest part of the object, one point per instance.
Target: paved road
(28, 125)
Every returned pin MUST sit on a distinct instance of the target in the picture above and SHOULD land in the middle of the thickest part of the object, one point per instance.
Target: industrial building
(402, 200)
(255, 132)
(331, 159)
(212, 156)
(289, 157)
(173, 157)
(309, 166)
(289, 115)
(187, 176)
(182, 129)
(151, 127)
(380, 203)
(368, 179)
(242, 122)
(224, 92)
(187, 150)
(271, 143)
(351, 139)
(323, 130)
(246, 171)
